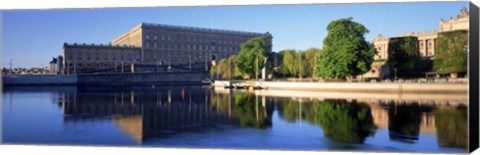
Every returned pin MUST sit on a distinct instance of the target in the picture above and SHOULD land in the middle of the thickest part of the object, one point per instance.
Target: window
(147, 36)
(147, 45)
(121, 56)
(155, 37)
(163, 37)
(138, 55)
(114, 56)
(194, 47)
(129, 56)
(105, 56)
(163, 45)
(155, 45)
(169, 38)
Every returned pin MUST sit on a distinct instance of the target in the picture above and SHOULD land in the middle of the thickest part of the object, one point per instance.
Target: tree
(308, 61)
(403, 56)
(281, 69)
(253, 52)
(345, 50)
(451, 51)
(289, 59)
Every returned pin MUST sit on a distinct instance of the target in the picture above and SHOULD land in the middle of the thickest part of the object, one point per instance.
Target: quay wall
(356, 87)
(166, 78)
(39, 80)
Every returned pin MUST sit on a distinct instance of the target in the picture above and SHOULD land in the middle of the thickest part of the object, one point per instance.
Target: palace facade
(426, 43)
(156, 44)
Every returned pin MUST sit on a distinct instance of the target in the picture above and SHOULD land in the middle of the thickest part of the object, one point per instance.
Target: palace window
(138, 55)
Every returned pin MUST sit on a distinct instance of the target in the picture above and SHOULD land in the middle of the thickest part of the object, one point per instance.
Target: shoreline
(353, 87)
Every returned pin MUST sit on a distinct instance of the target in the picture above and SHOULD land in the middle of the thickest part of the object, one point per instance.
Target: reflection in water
(344, 121)
(149, 114)
(452, 127)
(404, 121)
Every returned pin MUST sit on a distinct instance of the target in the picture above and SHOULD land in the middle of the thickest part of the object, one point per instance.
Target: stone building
(88, 58)
(156, 45)
(175, 45)
(55, 66)
(426, 43)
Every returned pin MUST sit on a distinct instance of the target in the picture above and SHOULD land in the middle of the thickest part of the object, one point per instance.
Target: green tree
(345, 50)
(403, 56)
(289, 60)
(281, 69)
(308, 61)
(252, 51)
(451, 51)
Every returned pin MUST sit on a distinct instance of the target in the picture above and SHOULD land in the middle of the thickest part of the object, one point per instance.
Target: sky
(32, 37)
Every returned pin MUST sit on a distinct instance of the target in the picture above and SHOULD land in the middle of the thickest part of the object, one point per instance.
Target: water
(201, 117)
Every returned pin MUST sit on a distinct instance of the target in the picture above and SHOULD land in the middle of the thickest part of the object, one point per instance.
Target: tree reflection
(252, 112)
(404, 122)
(344, 121)
(451, 127)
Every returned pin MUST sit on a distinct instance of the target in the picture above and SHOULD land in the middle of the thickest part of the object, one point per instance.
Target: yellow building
(175, 45)
(88, 58)
(150, 44)
(426, 43)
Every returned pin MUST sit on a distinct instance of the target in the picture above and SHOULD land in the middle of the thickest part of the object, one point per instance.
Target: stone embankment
(353, 86)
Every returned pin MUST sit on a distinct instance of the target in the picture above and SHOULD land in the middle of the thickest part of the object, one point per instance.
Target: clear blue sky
(32, 37)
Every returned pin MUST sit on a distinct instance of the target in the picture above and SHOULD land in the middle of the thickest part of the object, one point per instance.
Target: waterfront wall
(39, 80)
(360, 87)
(190, 77)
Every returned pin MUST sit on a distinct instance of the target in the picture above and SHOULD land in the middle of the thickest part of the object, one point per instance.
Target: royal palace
(154, 45)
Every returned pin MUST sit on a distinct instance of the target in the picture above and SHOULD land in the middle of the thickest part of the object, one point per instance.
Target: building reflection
(147, 113)
(160, 112)
(405, 121)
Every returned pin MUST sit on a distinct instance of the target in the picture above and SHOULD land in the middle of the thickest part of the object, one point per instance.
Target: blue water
(199, 117)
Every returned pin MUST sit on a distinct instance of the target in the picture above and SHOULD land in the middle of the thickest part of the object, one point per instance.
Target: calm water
(200, 117)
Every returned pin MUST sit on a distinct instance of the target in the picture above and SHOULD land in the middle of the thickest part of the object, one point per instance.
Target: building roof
(97, 45)
(198, 29)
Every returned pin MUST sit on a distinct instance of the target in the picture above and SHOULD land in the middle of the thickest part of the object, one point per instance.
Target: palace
(426, 43)
(150, 44)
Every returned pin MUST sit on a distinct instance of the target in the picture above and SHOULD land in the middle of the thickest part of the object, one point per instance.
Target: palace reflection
(162, 112)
